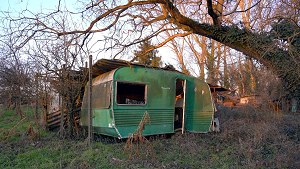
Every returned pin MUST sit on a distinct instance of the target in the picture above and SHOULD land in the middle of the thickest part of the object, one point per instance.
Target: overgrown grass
(14, 127)
(249, 138)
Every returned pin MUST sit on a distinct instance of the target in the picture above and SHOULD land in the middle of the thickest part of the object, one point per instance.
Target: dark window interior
(179, 110)
(131, 93)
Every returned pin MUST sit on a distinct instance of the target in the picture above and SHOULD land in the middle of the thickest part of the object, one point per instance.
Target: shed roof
(106, 65)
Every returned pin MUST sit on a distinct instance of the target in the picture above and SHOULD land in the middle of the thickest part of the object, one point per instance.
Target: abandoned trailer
(122, 93)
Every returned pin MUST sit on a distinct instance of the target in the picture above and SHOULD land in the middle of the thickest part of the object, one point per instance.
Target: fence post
(90, 102)
(62, 112)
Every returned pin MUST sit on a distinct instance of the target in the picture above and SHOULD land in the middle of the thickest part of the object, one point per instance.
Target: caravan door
(180, 105)
(184, 106)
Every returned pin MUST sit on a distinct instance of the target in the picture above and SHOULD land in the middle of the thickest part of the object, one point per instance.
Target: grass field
(249, 138)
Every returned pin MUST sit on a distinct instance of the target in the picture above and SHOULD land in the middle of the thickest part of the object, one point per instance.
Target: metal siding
(153, 130)
(105, 131)
(102, 120)
(199, 106)
(198, 121)
(160, 102)
(161, 96)
(133, 117)
(127, 121)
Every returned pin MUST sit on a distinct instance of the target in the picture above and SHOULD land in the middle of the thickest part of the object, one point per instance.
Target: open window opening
(179, 101)
(131, 93)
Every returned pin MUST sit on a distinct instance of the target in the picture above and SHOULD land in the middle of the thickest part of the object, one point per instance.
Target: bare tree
(15, 79)
(178, 48)
(126, 24)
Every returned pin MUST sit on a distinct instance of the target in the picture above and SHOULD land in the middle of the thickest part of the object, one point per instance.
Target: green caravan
(122, 93)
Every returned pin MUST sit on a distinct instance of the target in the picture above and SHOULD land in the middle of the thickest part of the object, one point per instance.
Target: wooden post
(90, 102)
(46, 106)
(62, 112)
(36, 95)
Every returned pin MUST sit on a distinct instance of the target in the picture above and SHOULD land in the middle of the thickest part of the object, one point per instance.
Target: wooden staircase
(53, 118)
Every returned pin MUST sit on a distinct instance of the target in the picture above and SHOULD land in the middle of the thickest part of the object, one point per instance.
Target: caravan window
(100, 96)
(131, 93)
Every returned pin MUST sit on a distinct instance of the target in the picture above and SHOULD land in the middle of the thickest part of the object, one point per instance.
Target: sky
(15, 6)
(32, 5)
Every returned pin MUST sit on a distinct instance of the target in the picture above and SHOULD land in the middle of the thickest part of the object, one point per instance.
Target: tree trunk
(258, 46)
(225, 76)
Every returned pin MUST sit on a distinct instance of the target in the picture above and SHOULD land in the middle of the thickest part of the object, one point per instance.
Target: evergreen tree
(150, 58)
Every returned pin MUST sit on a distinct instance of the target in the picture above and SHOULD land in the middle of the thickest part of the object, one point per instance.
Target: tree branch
(162, 44)
(213, 14)
(122, 8)
(233, 10)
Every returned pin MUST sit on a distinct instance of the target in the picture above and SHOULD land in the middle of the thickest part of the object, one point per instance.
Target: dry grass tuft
(138, 139)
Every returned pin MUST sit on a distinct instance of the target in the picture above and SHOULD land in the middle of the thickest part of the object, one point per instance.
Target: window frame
(131, 82)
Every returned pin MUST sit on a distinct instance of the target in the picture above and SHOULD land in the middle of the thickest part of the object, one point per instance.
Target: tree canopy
(272, 39)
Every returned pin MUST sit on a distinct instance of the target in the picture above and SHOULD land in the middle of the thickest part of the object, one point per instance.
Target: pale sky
(33, 5)
(45, 6)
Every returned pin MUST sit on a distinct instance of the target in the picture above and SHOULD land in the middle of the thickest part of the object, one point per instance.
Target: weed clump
(138, 139)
